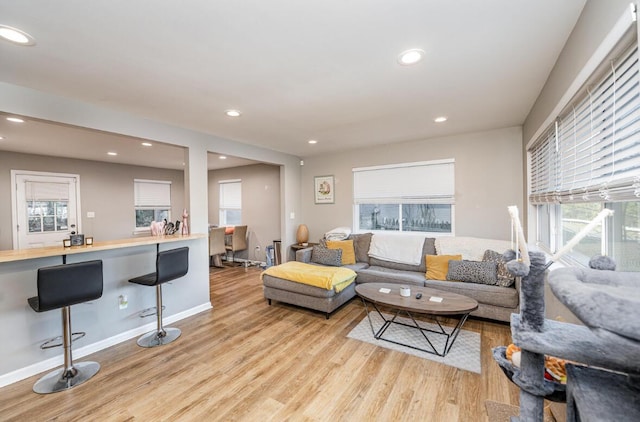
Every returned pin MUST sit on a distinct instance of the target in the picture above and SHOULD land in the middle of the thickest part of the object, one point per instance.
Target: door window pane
(47, 216)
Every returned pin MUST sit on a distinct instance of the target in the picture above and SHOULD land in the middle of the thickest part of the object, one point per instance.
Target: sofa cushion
(483, 272)
(361, 244)
(346, 246)
(504, 277)
(375, 274)
(326, 256)
(506, 297)
(438, 266)
(428, 248)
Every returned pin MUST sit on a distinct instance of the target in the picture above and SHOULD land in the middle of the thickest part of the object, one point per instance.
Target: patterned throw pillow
(505, 278)
(325, 256)
(348, 252)
(482, 272)
(438, 265)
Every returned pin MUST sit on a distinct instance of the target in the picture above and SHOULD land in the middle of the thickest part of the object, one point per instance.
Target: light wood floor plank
(248, 361)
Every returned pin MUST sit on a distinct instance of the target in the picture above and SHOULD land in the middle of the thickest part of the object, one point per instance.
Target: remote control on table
(419, 295)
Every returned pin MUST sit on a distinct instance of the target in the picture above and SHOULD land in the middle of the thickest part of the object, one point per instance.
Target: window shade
(46, 191)
(231, 194)
(592, 152)
(405, 183)
(152, 194)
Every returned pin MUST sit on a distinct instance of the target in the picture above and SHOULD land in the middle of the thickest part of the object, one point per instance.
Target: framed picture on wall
(324, 189)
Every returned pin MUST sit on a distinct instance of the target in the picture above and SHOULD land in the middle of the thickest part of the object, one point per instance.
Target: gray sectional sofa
(494, 301)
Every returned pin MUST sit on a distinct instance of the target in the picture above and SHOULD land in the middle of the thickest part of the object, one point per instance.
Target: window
(152, 202)
(589, 159)
(230, 202)
(411, 197)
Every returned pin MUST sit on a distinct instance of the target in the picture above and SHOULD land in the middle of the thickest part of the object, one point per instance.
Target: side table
(296, 247)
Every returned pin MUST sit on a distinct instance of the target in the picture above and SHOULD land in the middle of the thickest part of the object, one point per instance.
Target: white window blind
(231, 194)
(592, 151)
(152, 193)
(46, 191)
(405, 183)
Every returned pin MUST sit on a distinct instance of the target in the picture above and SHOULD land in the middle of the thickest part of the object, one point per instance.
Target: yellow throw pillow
(438, 266)
(348, 252)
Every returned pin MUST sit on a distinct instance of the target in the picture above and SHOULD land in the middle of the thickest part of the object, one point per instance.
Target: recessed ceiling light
(410, 57)
(112, 153)
(440, 119)
(223, 157)
(312, 141)
(15, 119)
(147, 144)
(16, 36)
(232, 113)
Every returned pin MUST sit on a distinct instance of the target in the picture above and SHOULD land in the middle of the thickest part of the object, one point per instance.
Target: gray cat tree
(604, 384)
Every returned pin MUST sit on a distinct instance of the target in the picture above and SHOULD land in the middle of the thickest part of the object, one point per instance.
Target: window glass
(624, 229)
(47, 216)
(426, 218)
(544, 225)
(574, 218)
(379, 217)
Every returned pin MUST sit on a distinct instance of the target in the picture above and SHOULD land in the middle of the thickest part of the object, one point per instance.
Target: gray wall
(488, 178)
(105, 188)
(260, 204)
(597, 19)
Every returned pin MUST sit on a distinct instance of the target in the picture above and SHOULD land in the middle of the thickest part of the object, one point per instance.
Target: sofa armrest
(304, 255)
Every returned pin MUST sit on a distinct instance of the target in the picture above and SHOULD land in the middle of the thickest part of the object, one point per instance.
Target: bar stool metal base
(64, 379)
(155, 338)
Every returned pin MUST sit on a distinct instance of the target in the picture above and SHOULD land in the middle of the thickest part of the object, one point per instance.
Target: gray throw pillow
(505, 278)
(326, 256)
(361, 243)
(482, 272)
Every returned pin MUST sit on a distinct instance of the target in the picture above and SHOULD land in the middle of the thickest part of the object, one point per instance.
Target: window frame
(371, 187)
(229, 204)
(149, 195)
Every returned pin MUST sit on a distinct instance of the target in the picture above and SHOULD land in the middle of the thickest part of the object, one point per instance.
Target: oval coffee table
(432, 303)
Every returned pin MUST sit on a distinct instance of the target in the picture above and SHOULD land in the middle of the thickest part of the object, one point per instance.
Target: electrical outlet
(123, 302)
(258, 248)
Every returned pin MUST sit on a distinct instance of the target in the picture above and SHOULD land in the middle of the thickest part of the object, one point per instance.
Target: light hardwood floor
(245, 360)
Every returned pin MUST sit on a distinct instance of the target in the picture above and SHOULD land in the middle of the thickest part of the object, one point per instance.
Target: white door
(46, 206)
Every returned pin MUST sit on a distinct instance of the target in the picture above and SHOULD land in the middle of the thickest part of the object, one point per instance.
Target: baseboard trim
(54, 362)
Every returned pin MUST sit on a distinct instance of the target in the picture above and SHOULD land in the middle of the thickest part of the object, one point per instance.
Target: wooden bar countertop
(22, 254)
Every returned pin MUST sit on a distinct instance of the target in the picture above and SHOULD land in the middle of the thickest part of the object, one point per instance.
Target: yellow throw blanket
(337, 278)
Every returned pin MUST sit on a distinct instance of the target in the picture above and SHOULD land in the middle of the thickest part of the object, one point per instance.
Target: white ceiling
(297, 70)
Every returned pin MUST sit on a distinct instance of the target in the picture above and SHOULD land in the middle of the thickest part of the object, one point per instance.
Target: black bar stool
(170, 265)
(61, 286)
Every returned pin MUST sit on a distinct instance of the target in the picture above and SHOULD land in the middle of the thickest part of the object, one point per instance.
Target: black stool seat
(170, 265)
(59, 287)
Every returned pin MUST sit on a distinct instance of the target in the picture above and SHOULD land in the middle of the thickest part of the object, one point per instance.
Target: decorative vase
(302, 235)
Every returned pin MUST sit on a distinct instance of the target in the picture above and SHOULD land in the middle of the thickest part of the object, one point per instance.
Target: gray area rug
(465, 353)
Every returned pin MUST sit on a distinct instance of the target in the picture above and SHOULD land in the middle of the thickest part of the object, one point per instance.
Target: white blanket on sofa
(395, 248)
